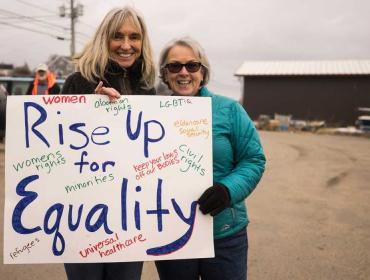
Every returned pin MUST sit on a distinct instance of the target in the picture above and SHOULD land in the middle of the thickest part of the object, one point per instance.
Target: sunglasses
(191, 67)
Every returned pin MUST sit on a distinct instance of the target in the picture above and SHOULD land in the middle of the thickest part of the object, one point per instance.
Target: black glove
(214, 200)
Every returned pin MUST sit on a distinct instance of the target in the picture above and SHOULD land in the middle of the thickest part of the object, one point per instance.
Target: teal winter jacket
(238, 160)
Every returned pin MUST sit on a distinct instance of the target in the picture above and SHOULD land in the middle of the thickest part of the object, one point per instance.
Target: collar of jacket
(133, 73)
(204, 92)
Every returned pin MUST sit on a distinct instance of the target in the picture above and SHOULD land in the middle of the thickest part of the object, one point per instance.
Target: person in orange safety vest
(44, 82)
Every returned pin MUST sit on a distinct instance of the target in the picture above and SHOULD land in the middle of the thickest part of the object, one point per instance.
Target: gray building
(309, 90)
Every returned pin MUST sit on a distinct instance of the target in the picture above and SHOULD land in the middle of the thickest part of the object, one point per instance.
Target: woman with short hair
(238, 165)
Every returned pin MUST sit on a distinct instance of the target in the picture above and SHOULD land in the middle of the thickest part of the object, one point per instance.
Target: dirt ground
(310, 215)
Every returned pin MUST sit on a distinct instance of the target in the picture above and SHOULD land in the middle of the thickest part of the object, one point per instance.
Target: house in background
(62, 66)
(6, 69)
(310, 90)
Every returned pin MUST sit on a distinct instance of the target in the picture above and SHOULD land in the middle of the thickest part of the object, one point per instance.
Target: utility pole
(73, 21)
(74, 13)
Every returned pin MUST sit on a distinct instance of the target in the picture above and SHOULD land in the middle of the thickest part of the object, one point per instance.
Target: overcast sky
(231, 31)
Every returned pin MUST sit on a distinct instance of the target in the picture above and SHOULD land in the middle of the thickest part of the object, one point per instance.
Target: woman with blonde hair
(118, 60)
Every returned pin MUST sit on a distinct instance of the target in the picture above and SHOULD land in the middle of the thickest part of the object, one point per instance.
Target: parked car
(19, 85)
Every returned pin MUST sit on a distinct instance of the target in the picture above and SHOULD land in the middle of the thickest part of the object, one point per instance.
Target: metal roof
(304, 67)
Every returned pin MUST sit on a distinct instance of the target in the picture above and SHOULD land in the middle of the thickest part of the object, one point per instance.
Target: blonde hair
(93, 60)
(195, 47)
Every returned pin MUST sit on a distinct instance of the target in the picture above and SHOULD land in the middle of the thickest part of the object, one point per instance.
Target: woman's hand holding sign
(112, 93)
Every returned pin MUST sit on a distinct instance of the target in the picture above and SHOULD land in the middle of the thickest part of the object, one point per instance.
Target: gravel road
(310, 215)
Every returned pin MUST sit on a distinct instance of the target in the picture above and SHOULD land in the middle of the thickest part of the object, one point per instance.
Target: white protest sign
(87, 180)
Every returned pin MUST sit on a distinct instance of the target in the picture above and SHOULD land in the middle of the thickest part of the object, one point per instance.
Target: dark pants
(230, 262)
(104, 271)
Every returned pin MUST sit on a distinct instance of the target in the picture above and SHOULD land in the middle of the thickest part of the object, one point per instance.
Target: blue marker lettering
(179, 243)
(58, 208)
(22, 204)
(75, 127)
(41, 119)
(159, 211)
(152, 140)
(102, 220)
(72, 226)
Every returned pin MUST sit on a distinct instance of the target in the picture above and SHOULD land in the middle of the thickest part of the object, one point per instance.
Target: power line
(37, 6)
(88, 25)
(36, 21)
(33, 30)
(80, 43)
(83, 35)
(18, 17)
